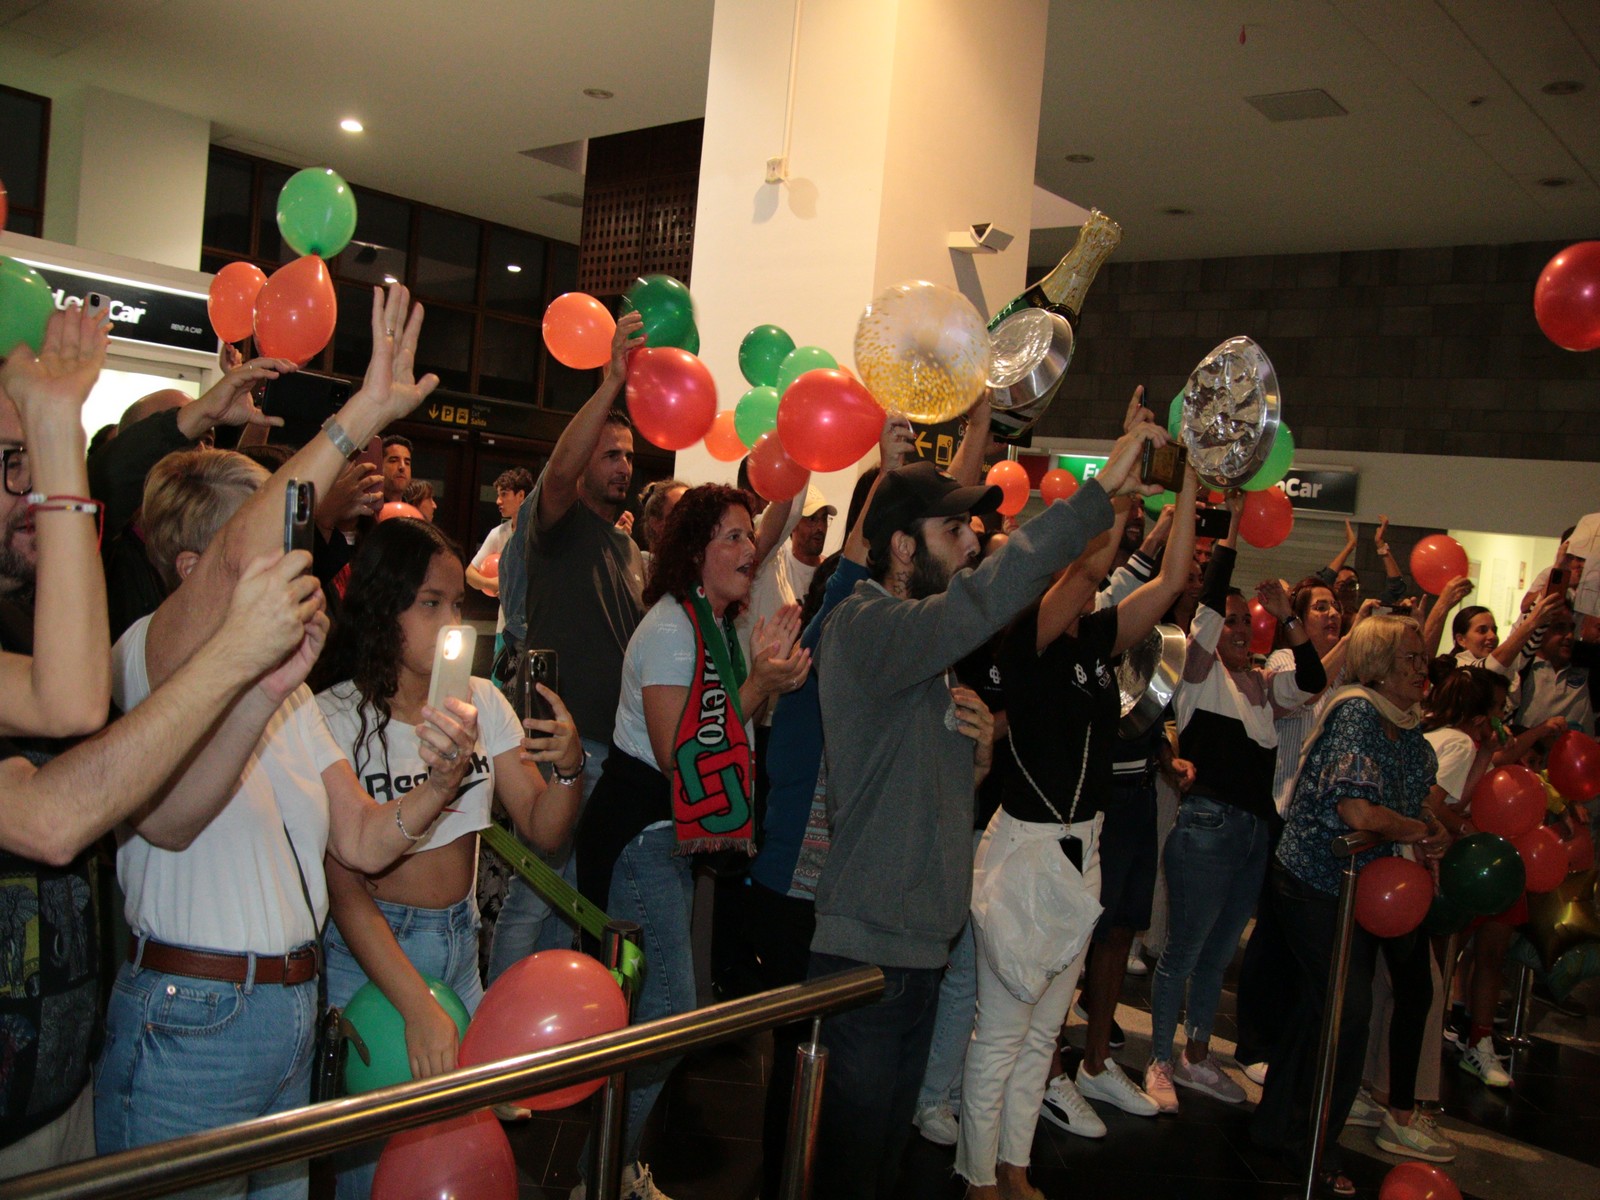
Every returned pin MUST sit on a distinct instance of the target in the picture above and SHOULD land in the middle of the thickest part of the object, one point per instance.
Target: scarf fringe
(714, 845)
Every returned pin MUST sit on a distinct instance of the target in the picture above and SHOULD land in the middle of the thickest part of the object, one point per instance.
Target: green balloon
(26, 303)
(762, 351)
(1482, 874)
(800, 360)
(1154, 504)
(755, 414)
(667, 309)
(692, 342)
(1175, 416)
(1278, 462)
(1445, 917)
(317, 212)
(382, 1031)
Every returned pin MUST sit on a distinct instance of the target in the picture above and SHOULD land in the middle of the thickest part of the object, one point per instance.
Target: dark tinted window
(508, 362)
(445, 348)
(227, 220)
(515, 279)
(24, 131)
(447, 257)
(378, 252)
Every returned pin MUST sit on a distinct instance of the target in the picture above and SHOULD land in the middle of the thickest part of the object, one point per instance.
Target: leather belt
(298, 966)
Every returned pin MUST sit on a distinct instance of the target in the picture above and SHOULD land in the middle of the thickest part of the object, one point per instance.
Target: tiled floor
(1539, 1138)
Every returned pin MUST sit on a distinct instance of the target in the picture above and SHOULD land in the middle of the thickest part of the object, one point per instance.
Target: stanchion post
(605, 1141)
(805, 1110)
(1517, 1035)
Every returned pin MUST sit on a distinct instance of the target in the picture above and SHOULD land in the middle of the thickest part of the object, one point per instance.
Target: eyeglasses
(14, 467)
(1414, 659)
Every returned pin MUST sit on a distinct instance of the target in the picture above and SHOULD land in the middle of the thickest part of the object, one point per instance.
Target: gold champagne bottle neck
(1067, 284)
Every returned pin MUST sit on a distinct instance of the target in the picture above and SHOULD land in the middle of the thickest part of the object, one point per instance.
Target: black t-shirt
(980, 671)
(1064, 706)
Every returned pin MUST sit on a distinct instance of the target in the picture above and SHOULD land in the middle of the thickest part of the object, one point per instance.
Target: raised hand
(63, 374)
(897, 443)
(1274, 597)
(1349, 537)
(356, 493)
(560, 745)
(1136, 412)
(269, 610)
(445, 740)
(1120, 475)
(390, 378)
(231, 400)
(625, 522)
(1455, 592)
(1380, 539)
(279, 682)
(628, 338)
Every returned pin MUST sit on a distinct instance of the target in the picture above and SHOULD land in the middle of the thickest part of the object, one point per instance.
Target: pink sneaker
(1158, 1086)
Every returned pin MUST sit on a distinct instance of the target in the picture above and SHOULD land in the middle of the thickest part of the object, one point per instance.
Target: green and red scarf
(711, 759)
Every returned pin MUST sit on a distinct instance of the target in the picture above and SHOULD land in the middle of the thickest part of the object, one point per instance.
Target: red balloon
(1580, 849)
(462, 1158)
(722, 439)
(1263, 628)
(1574, 766)
(1057, 485)
(1268, 517)
(4, 212)
(491, 567)
(578, 331)
(399, 508)
(1508, 801)
(1436, 560)
(547, 999)
(1012, 480)
(232, 300)
(1418, 1181)
(773, 473)
(671, 396)
(296, 311)
(1566, 300)
(1544, 855)
(1393, 894)
(827, 420)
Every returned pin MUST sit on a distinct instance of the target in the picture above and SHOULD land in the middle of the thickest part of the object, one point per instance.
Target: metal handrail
(200, 1158)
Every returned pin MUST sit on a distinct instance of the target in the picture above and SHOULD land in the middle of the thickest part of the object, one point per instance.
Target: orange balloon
(232, 300)
(491, 567)
(296, 311)
(773, 473)
(1436, 560)
(578, 331)
(399, 508)
(722, 439)
(1057, 485)
(1012, 480)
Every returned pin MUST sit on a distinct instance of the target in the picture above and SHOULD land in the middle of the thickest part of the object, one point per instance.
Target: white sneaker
(1364, 1113)
(1136, 963)
(1256, 1073)
(1205, 1076)
(937, 1123)
(1481, 1060)
(1117, 1090)
(1420, 1139)
(636, 1185)
(1063, 1106)
(1158, 1086)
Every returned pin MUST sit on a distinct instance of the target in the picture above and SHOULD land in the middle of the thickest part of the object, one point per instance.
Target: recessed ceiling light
(598, 93)
(1178, 212)
(1563, 87)
(514, 268)
(1080, 158)
(1555, 181)
(351, 125)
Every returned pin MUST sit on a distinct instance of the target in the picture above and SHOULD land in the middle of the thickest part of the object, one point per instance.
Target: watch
(340, 439)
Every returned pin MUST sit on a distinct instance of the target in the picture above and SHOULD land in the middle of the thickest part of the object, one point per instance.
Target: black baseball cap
(912, 493)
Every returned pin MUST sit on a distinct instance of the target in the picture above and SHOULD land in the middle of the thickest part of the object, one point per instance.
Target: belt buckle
(288, 958)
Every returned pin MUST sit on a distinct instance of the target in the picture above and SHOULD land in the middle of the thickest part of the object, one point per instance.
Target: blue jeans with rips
(185, 1055)
(1216, 857)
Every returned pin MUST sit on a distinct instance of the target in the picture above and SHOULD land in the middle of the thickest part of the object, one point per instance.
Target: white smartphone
(96, 304)
(452, 665)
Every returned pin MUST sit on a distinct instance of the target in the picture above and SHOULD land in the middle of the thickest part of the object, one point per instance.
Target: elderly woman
(1367, 766)
(677, 780)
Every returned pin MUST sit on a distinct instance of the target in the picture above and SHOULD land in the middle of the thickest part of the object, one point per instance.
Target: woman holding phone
(419, 917)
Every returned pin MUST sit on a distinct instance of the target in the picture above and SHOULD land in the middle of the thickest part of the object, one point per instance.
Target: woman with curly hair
(419, 918)
(678, 776)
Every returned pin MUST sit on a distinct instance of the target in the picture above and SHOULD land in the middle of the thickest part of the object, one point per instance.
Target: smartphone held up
(452, 666)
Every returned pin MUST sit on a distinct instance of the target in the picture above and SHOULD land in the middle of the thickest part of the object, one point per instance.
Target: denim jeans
(525, 924)
(1216, 856)
(952, 1029)
(876, 1058)
(442, 943)
(185, 1055)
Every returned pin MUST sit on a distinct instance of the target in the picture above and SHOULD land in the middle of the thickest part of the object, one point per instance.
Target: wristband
(576, 777)
(40, 502)
(340, 439)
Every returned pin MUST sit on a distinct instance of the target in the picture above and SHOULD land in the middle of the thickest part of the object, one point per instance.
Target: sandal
(1337, 1184)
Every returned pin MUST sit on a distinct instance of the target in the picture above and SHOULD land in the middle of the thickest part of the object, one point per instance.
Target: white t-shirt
(391, 766)
(494, 544)
(1456, 753)
(660, 654)
(238, 886)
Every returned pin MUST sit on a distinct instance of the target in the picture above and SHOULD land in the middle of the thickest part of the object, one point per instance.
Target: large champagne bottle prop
(1063, 289)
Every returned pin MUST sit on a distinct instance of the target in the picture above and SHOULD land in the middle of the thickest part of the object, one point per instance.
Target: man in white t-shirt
(510, 490)
(786, 575)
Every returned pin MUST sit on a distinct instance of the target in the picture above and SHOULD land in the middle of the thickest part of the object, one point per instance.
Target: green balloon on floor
(381, 1030)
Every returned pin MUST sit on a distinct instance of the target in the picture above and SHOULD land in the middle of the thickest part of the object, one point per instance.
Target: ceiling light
(1555, 181)
(1563, 87)
(1080, 158)
(598, 93)
(351, 125)
(514, 268)
(1178, 212)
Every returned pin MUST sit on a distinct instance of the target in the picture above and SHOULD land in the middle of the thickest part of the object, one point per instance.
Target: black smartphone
(1164, 465)
(1211, 521)
(304, 400)
(299, 509)
(539, 666)
(1556, 585)
(1072, 847)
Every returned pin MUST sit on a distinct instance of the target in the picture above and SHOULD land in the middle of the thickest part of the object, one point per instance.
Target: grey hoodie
(898, 878)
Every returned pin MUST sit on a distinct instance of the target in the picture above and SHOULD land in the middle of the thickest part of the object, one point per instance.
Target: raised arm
(544, 813)
(1331, 572)
(966, 465)
(1394, 583)
(1433, 626)
(1068, 596)
(65, 687)
(389, 391)
(558, 487)
(1138, 614)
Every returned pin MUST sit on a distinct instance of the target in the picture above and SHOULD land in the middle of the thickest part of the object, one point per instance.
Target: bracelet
(1290, 620)
(400, 824)
(40, 502)
(340, 439)
(576, 777)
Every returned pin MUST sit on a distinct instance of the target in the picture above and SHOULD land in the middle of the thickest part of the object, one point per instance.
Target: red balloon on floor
(1012, 480)
(1566, 300)
(773, 473)
(548, 999)
(1268, 518)
(1544, 857)
(1574, 766)
(462, 1158)
(1057, 484)
(1418, 1181)
(1509, 801)
(671, 396)
(1436, 560)
(1392, 896)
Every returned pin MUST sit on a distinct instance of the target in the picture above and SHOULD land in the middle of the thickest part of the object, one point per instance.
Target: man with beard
(396, 467)
(895, 888)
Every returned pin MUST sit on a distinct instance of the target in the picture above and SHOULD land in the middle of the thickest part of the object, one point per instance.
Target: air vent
(1297, 106)
(565, 199)
(569, 156)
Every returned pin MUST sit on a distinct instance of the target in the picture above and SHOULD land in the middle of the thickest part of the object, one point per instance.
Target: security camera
(982, 238)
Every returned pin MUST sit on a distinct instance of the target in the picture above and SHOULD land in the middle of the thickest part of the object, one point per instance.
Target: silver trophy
(1231, 410)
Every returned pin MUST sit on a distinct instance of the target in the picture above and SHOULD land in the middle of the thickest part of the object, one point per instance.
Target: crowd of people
(909, 754)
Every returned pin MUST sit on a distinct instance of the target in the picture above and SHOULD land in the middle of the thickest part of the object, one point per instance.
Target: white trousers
(1008, 1060)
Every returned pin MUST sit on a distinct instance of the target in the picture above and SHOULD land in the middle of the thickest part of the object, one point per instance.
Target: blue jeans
(525, 924)
(442, 943)
(876, 1059)
(185, 1055)
(952, 1028)
(1216, 857)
